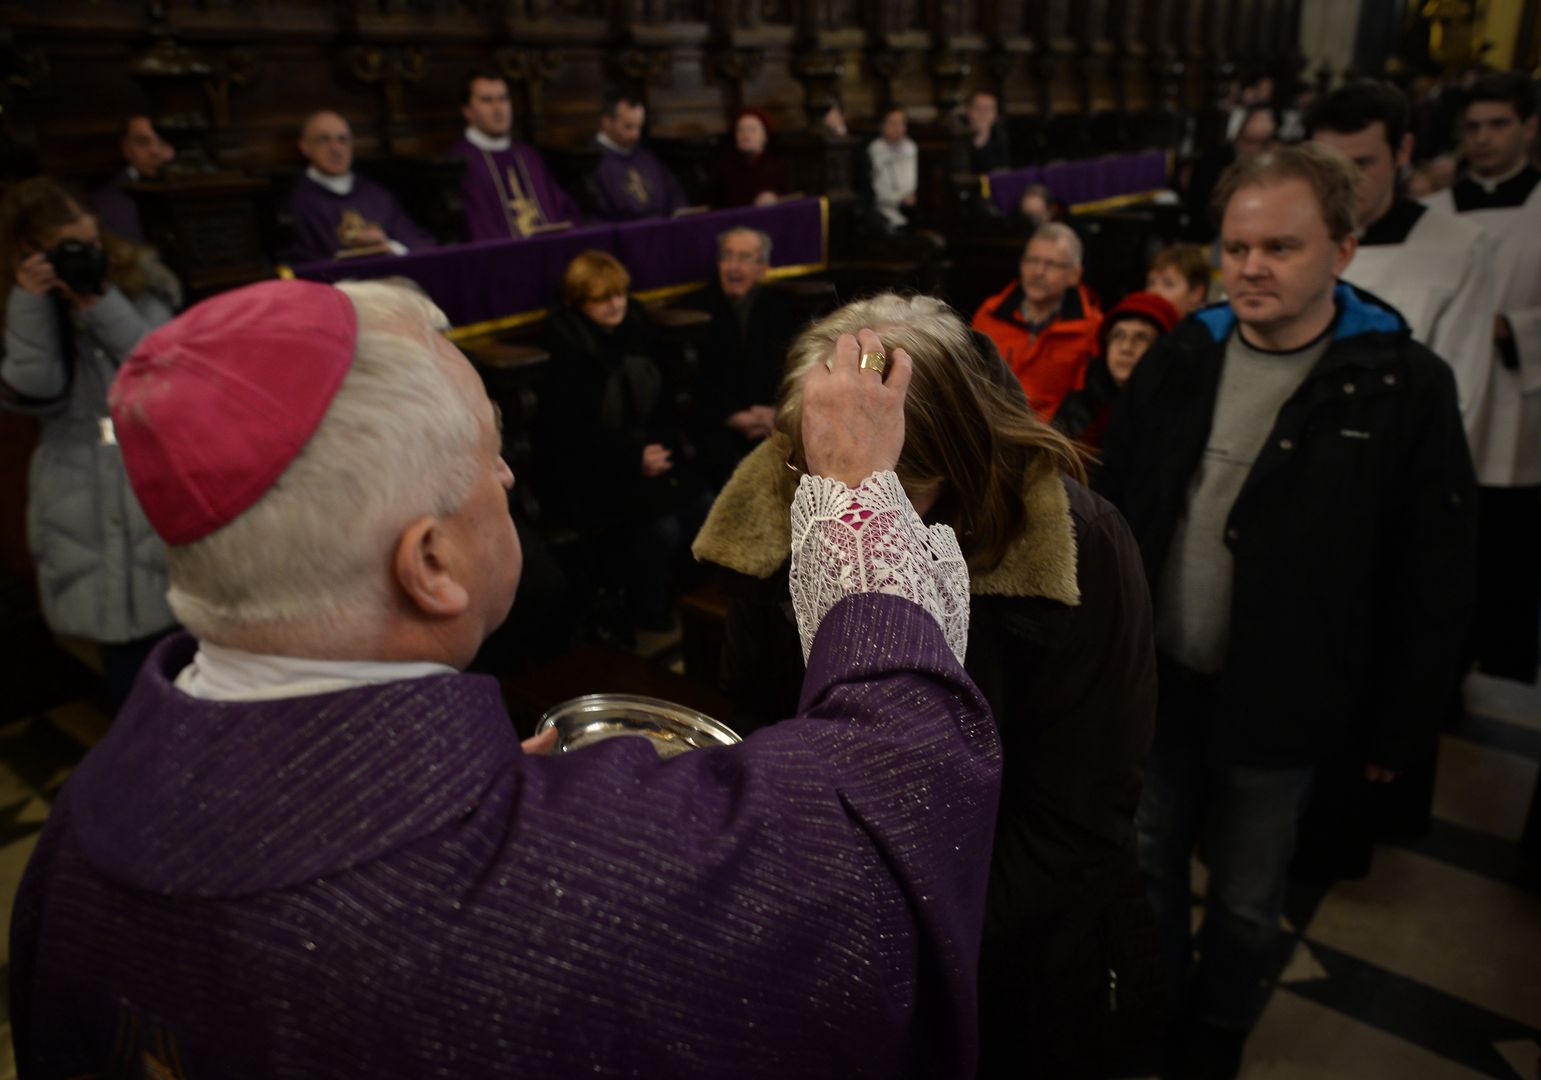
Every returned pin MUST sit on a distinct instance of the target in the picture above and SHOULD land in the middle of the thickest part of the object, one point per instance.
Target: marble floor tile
(1523, 1056)
(13, 860)
(82, 720)
(1464, 934)
(1301, 1040)
(1483, 788)
(1504, 699)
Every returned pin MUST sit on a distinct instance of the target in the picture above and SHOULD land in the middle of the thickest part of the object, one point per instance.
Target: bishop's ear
(423, 567)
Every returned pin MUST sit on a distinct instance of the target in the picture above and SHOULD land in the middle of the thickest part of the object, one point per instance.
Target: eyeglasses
(1033, 262)
(741, 257)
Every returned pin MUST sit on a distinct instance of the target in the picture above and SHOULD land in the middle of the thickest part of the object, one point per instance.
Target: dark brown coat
(1060, 644)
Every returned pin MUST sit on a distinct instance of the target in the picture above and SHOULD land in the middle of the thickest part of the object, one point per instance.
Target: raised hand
(853, 417)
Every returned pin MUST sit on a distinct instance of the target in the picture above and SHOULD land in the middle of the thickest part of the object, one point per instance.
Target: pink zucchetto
(211, 408)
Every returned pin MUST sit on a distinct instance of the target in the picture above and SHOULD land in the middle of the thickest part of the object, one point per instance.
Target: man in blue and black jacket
(1293, 466)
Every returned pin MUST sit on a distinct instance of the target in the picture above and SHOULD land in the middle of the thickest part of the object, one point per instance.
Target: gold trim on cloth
(473, 332)
(1115, 203)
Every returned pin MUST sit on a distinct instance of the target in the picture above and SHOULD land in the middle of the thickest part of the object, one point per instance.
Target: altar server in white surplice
(1502, 194)
(1432, 266)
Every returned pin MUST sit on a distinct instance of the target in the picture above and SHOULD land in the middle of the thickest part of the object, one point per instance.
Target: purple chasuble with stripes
(379, 883)
(510, 194)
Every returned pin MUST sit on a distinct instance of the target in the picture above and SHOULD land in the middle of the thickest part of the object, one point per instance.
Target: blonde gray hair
(1060, 233)
(309, 560)
(969, 433)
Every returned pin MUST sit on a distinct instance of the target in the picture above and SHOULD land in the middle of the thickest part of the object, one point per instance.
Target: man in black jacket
(1293, 466)
(745, 349)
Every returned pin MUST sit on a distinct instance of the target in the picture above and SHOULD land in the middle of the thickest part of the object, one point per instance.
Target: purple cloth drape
(476, 283)
(1083, 181)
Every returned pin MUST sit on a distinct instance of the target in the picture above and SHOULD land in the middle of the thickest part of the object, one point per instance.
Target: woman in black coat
(1060, 644)
(610, 459)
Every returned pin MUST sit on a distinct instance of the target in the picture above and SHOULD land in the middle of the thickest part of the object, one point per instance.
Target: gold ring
(874, 360)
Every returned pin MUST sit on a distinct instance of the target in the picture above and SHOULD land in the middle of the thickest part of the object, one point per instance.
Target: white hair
(745, 230)
(1060, 233)
(310, 559)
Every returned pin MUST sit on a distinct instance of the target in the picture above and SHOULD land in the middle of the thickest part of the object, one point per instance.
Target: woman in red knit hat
(1126, 332)
(748, 175)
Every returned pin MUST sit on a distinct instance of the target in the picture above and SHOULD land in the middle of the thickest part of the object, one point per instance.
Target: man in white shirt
(895, 161)
(1432, 266)
(1502, 194)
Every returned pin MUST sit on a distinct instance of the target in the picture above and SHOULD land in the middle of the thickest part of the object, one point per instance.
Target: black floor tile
(1445, 1025)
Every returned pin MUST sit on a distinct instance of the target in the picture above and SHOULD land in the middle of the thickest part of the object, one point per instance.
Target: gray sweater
(1193, 600)
(101, 568)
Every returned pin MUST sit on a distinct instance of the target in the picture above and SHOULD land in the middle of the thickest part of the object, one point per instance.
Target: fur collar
(748, 531)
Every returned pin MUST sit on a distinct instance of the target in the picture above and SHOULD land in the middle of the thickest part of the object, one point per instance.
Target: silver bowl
(672, 729)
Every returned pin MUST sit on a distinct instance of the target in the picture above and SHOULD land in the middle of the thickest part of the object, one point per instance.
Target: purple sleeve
(832, 865)
(315, 233)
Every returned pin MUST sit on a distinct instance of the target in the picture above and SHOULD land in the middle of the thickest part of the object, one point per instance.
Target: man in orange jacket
(1045, 324)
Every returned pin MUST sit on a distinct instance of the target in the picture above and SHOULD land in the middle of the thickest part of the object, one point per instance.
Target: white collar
(133, 174)
(221, 674)
(610, 144)
(1491, 186)
(337, 185)
(487, 142)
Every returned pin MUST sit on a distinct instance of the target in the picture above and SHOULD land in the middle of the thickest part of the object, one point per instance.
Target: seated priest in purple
(507, 190)
(145, 154)
(311, 846)
(336, 211)
(630, 182)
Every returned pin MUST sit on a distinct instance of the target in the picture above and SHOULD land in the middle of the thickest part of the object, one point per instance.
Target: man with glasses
(338, 213)
(1045, 323)
(743, 354)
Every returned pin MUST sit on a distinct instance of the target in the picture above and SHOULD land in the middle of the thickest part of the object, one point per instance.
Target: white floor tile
(1466, 935)
(1504, 699)
(1303, 966)
(1482, 788)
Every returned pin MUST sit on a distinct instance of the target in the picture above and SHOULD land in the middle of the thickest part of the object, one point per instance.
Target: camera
(81, 266)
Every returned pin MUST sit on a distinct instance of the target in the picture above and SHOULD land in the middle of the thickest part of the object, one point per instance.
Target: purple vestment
(319, 215)
(636, 185)
(509, 194)
(378, 882)
(117, 208)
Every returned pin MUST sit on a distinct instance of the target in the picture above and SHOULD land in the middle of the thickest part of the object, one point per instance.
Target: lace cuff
(871, 540)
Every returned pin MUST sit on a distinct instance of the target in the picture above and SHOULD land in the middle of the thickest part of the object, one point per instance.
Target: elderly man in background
(1045, 323)
(743, 354)
(310, 846)
(630, 182)
(146, 154)
(338, 213)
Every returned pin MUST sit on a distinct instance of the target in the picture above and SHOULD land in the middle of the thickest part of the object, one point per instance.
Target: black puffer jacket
(1353, 536)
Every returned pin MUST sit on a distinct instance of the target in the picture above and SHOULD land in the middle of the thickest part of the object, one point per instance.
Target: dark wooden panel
(394, 67)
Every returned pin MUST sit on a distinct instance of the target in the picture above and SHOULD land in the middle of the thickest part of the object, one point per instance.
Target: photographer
(80, 300)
